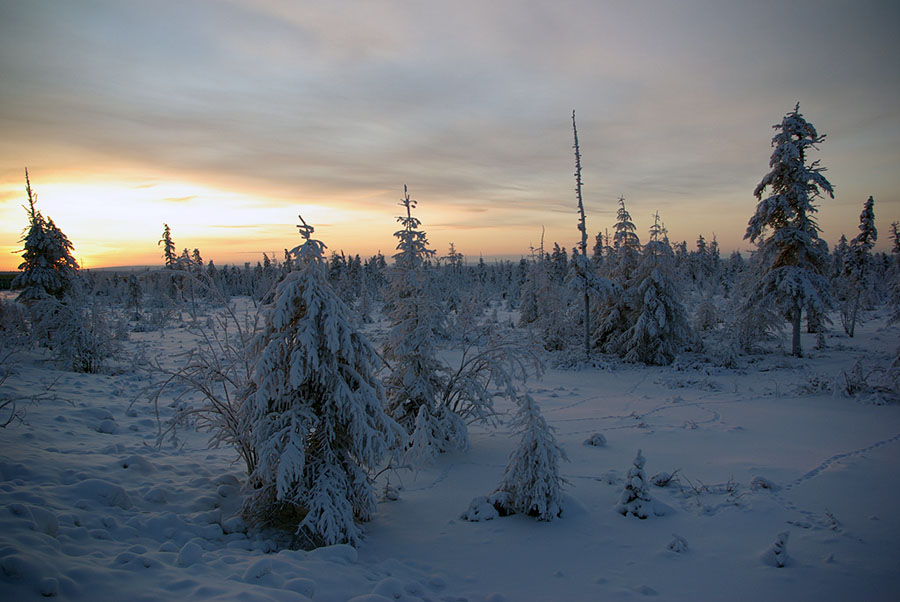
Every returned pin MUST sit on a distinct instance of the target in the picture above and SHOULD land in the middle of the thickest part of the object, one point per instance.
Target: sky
(227, 119)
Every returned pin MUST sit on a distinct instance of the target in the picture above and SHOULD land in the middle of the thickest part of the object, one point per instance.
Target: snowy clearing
(91, 509)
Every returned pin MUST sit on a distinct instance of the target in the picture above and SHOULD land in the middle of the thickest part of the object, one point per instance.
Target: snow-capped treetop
(868, 234)
(794, 184)
(625, 235)
(412, 250)
(626, 244)
(658, 252)
(168, 248)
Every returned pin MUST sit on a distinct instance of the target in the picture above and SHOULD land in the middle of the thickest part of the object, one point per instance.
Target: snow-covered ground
(91, 509)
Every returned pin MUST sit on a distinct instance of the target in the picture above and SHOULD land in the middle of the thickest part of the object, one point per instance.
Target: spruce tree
(858, 266)
(626, 244)
(47, 268)
(658, 326)
(635, 498)
(317, 415)
(531, 483)
(613, 310)
(169, 253)
(417, 377)
(791, 257)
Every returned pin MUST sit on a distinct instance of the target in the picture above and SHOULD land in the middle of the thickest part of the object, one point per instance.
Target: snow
(763, 470)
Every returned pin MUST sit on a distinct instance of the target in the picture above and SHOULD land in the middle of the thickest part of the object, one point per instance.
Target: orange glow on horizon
(119, 223)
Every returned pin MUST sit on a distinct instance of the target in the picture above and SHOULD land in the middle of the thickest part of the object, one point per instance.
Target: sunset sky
(226, 119)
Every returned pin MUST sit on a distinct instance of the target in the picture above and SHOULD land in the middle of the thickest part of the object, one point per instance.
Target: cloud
(469, 103)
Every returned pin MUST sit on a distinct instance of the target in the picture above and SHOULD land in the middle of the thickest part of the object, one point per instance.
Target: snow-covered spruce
(855, 287)
(531, 484)
(316, 415)
(47, 268)
(791, 258)
(417, 376)
(612, 311)
(658, 327)
(636, 496)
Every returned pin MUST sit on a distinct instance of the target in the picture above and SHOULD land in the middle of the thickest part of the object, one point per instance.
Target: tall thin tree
(793, 258)
(582, 264)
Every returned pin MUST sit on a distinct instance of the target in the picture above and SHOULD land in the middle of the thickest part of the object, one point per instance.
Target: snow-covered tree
(47, 268)
(612, 310)
(317, 413)
(531, 483)
(659, 328)
(651, 323)
(626, 245)
(545, 304)
(532, 480)
(791, 258)
(635, 498)
(417, 320)
(858, 267)
(169, 253)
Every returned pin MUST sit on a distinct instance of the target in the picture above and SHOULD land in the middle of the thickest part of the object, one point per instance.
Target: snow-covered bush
(316, 415)
(13, 323)
(679, 544)
(219, 368)
(596, 440)
(777, 555)
(635, 498)
(77, 329)
(421, 449)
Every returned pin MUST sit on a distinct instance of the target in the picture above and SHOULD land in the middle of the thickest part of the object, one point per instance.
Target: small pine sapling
(636, 496)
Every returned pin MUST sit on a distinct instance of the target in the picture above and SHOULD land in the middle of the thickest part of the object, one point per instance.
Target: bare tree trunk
(795, 339)
(853, 312)
(582, 227)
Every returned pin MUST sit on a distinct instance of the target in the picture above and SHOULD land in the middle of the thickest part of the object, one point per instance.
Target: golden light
(118, 223)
